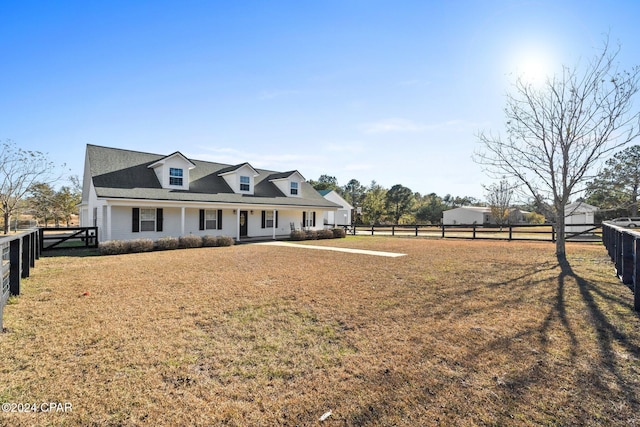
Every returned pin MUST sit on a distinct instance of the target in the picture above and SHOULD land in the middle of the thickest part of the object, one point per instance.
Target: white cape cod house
(129, 195)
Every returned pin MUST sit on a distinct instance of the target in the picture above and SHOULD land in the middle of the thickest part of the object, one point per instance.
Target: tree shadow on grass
(593, 366)
(608, 335)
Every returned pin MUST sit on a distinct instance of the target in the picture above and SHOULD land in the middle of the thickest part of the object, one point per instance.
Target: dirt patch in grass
(454, 333)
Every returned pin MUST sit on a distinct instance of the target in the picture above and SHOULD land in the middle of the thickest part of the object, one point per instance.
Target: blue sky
(392, 91)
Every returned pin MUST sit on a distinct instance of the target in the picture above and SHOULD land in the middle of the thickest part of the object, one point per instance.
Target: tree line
(396, 205)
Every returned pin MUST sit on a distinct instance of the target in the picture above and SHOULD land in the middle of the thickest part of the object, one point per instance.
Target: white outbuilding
(340, 217)
(579, 217)
(467, 215)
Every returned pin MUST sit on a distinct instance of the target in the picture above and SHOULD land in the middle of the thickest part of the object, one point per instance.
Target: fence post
(26, 255)
(553, 233)
(443, 231)
(474, 231)
(627, 261)
(15, 258)
(510, 232)
(372, 229)
(393, 230)
(636, 275)
(618, 260)
(416, 230)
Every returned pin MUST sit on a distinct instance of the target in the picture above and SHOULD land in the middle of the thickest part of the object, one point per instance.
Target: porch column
(182, 210)
(237, 225)
(274, 224)
(108, 222)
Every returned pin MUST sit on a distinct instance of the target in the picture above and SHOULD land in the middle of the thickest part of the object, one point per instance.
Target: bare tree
(557, 133)
(499, 199)
(19, 171)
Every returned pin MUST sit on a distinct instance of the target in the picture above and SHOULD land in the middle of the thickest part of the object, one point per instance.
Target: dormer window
(289, 183)
(245, 183)
(175, 177)
(173, 171)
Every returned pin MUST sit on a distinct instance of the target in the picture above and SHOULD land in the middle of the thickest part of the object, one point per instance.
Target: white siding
(464, 216)
(122, 216)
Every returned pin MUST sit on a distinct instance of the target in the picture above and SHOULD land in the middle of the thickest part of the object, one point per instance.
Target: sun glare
(533, 65)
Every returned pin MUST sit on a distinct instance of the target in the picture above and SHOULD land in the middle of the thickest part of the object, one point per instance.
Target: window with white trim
(211, 219)
(147, 219)
(175, 176)
(294, 188)
(268, 219)
(245, 183)
(309, 219)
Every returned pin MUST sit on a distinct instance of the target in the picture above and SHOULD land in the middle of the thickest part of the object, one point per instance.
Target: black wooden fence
(543, 232)
(623, 246)
(19, 254)
(68, 237)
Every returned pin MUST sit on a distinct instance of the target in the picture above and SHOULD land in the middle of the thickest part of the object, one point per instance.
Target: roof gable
(286, 175)
(236, 168)
(177, 154)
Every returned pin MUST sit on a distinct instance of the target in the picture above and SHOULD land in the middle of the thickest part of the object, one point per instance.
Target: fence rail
(68, 237)
(623, 246)
(19, 254)
(542, 232)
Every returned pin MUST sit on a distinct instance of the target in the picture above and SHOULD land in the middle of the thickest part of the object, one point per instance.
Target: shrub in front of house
(140, 245)
(339, 233)
(167, 243)
(311, 234)
(190, 241)
(225, 241)
(217, 241)
(113, 247)
(210, 241)
(298, 235)
(325, 234)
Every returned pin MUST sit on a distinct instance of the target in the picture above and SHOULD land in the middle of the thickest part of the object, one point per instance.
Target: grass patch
(454, 333)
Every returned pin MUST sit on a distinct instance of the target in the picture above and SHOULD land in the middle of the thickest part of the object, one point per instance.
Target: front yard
(454, 333)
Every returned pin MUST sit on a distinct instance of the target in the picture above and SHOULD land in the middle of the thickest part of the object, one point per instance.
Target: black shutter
(264, 219)
(276, 219)
(314, 218)
(219, 219)
(304, 218)
(159, 219)
(135, 220)
(201, 219)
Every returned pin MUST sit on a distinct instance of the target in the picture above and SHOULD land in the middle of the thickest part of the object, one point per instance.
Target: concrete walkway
(331, 248)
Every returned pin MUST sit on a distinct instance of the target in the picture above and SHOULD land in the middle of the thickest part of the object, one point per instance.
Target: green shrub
(167, 243)
(190, 241)
(339, 233)
(311, 234)
(325, 234)
(140, 245)
(298, 235)
(225, 241)
(113, 247)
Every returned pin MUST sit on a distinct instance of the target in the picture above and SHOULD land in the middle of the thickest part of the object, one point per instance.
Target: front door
(243, 224)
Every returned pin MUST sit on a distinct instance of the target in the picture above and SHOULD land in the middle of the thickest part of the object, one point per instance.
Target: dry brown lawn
(456, 333)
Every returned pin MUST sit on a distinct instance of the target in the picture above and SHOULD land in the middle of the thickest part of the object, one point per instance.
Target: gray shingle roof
(118, 173)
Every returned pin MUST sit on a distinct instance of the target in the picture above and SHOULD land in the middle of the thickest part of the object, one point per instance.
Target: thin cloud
(271, 161)
(273, 94)
(409, 126)
(392, 125)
